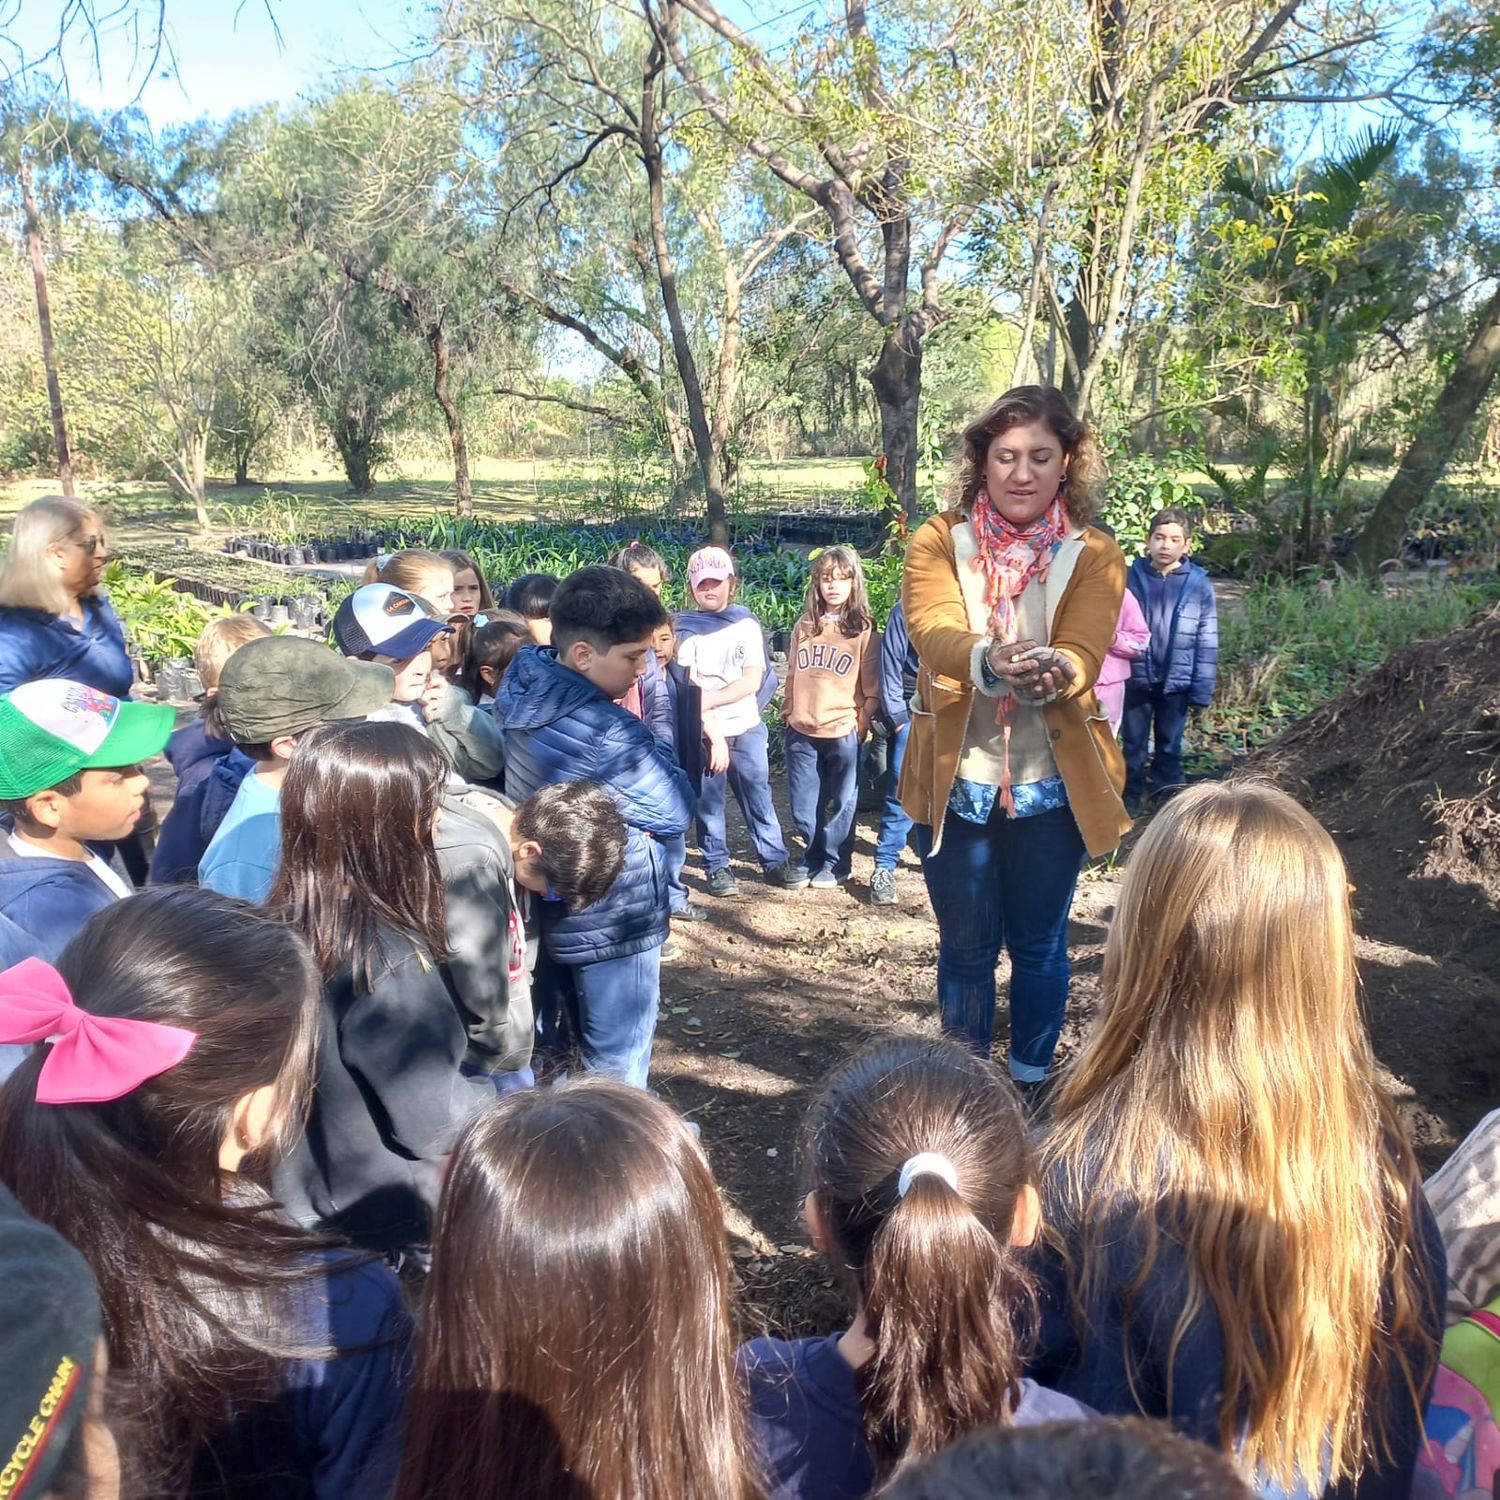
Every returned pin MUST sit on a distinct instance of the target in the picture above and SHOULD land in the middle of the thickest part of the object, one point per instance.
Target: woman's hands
(1034, 674)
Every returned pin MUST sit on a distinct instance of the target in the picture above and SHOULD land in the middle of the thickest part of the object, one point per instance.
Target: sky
(228, 55)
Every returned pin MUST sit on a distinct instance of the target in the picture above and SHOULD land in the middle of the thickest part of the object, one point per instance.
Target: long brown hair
(411, 570)
(945, 1299)
(195, 1280)
(1083, 484)
(461, 562)
(358, 808)
(1228, 1094)
(856, 617)
(577, 1343)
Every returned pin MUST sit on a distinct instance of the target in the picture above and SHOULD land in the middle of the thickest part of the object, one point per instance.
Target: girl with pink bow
(170, 1066)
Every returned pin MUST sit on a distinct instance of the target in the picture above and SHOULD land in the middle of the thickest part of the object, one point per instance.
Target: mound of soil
(1404, 769)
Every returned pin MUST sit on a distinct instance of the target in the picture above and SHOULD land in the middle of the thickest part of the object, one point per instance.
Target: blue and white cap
(382, 620)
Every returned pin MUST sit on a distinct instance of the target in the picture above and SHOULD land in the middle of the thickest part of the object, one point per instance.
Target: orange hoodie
(832, 680)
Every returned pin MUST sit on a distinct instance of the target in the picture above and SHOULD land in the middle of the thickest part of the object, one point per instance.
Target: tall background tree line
(641, 231)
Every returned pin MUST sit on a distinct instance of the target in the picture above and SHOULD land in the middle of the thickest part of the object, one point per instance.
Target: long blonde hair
(28, 579)
(1228, 1093)
(412, 570)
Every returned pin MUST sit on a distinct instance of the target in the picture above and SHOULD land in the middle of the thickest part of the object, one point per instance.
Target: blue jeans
(1008, 883)
(749, 775)
(617, 1004)
(1148, 710)
(895, 826)
(675, 850)
(822, 783)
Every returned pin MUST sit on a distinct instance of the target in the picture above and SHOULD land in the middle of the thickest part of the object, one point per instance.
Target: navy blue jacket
(559, 727)
(48, 899)
(656, 702)
(1184, 621)
(209, 773)
(35, 644)
(898, 669)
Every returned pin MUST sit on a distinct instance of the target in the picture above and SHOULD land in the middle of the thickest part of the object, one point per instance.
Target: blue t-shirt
(241, 858)
(804, 1413)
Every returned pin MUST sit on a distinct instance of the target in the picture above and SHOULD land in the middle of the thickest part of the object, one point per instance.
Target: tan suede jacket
(946, 618)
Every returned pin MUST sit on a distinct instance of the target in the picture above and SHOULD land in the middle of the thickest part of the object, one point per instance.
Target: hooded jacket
(209, 772)
(559, 727)
(35, 644)
(1184, 656)
(48, 899)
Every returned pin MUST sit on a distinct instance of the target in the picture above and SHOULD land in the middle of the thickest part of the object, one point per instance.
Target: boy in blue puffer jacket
(562, 721)
(1177, 673)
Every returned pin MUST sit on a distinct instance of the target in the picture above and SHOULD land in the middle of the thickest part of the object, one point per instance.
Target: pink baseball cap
(709, 562)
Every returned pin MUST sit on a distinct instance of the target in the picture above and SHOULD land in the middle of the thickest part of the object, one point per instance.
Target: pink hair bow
(94, 1058)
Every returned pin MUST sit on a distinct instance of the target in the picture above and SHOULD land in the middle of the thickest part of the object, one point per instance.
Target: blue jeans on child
(895, 826)
(822, 779)
(749, 776)
(610, 1007)
(1007, 883)
(675, 850)
(1149, 709)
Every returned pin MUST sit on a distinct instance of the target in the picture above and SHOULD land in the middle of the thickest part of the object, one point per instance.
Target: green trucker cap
(285, 684)
(52, 729)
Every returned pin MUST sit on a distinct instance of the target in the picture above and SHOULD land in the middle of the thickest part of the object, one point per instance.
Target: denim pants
(1008, 883)
(1148, 710)
(895, 826)
(675, 850)
(609, 1007)
(749, 776)
(822, 783)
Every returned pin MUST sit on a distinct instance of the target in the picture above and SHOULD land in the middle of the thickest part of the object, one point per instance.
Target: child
(918, 1179)
(562, 722)
(577, 1339)
(471, 594)
(270, 694)
(832, 695)
(723, 650)
(383, 624)
(359, 808)
(428, 575)
(209, 768)
(1117, 1458)
(899, 666)
(1177, 672)
(70, 778)
(495, 647)
(1241, 1242)
(177, 1037)
(654, 700)
(531, 598)
(1132, 641)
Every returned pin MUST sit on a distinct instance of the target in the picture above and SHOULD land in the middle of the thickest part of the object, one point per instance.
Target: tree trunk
(896, 378)
(198, 461)
(1424, 461)
(437, 341)
(357, 453)
(666, 271)
(241, 467)
(44, 319)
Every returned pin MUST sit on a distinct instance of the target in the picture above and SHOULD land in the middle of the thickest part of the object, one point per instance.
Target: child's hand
(718, 752)
(432, 698)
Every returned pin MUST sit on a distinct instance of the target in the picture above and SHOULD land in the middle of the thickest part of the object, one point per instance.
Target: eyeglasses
(91, 544)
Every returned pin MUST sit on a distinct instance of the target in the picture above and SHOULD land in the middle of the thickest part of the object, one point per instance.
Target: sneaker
(722, 882)
(824, 880)
(787, 876)
(883, 888)
(669, 951)
(1036, 1097)
(691, 912)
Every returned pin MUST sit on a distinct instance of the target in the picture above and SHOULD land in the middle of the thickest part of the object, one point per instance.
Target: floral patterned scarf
(1011, 558)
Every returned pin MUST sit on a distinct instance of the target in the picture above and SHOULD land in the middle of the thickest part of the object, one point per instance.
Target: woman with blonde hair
(54, 618)
(1239, 1241)
(425, 574)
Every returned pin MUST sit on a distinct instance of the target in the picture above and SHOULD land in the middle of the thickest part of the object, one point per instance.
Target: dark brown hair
(1172, 515)
(577, 1342)
(1083, 483)
(581, 833)
(358, 808)
(636, 557)
(461, 562)
(1117, 1458)
(945, 1299)
(195, 1283)
(497, 642)
(18, 807)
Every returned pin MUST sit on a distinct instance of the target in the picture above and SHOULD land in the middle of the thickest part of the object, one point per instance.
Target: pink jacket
(1132, 640)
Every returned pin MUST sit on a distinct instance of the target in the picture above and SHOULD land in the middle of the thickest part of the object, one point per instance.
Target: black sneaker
(787, 876)
(722, 882)
(691, 912)
(1036, 1096)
